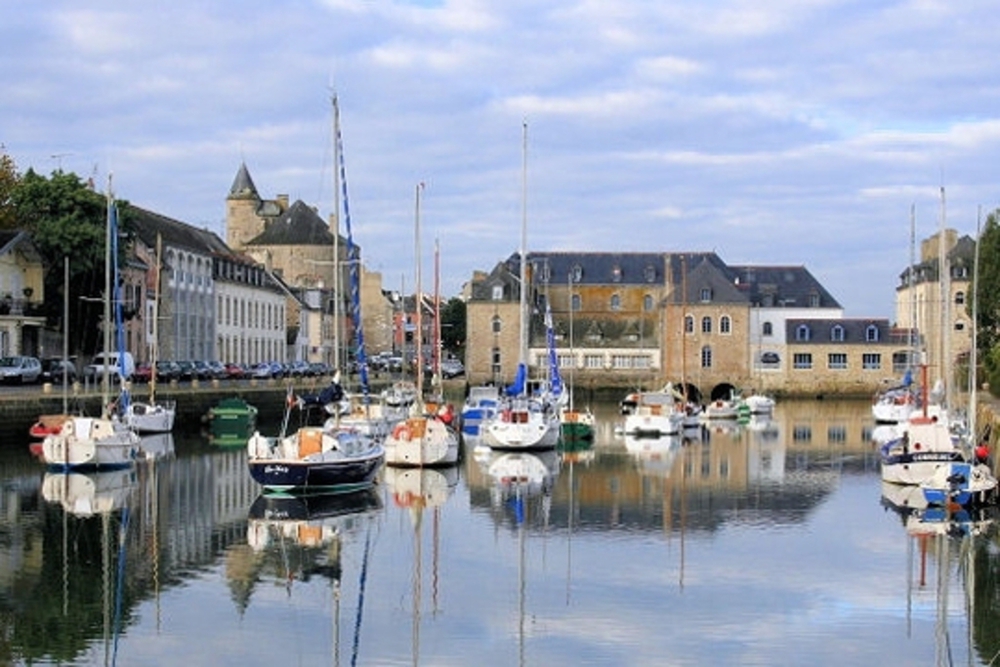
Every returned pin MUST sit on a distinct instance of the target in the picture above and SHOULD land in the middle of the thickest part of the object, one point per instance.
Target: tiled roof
(243, 187)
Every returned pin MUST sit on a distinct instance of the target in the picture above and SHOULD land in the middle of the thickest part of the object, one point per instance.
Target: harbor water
(763, 543)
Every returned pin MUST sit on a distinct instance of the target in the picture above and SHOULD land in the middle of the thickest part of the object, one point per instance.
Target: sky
(816, 133)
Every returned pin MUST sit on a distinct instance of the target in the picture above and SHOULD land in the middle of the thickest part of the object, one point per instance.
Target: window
(959, 298)
(767, 329)
(960, 326)
(768, 301)
(706, 357)
(802, 332)
(837, 333)
(871, 333)
(495, 356)
(497, 324)
(616, 302)
(688, 324)
(498, 292)
(725, 324)
(802, 360)
(616, 274)
(546, 272)
(706, 294)
(576, 273)
(706, 324)
(593, 361)
(837, 361)
(575, 301)
(647, 302)
(814, 300)
(650, 273)
(836, 435)
(871, 361)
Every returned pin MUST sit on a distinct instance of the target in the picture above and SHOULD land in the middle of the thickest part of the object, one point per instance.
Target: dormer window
(837, 334)
(546, 272)
(576, 273)
(616, 274)
(650, 273)
(768, 301)
(706, 294)
(871, 333)
(498, 292)
(814, 300)
(802, 333)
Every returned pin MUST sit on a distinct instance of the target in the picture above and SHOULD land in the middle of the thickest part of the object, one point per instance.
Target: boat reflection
(87, 494)
(307, 520)
(417, 488)
(526, 474)
(655, 456)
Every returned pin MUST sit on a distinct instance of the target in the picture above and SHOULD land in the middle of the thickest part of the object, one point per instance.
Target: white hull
(420, 488)
(759, 404)
(86, 442)
(915, 456)
(539, 430)
(647, 422)
(721, 410)
(85, 495)
(155, 418)
(421, 441)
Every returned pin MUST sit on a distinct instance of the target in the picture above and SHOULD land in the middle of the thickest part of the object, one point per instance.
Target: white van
(96, 369)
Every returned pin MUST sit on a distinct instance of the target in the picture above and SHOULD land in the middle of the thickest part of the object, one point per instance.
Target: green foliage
(9, 179)
(66, 218)
(987, 286)
(453, 327)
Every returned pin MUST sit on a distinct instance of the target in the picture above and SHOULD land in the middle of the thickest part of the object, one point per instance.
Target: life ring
(401, 432)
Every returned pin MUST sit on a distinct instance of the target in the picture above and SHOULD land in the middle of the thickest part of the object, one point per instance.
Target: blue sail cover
(555, 381)
(517, 388)
(116, 291)
(353, 256)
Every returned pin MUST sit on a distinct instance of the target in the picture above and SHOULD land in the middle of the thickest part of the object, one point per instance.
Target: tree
(9, 179)
(987, 294)
(453, 326)
(66, 218)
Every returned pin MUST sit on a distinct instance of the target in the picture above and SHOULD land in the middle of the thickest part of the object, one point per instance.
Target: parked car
(186, 370)
(53, 367)
(263, 370)
(167, 371)
(217, 370)
(235, 371)
(20, 370)
(115, 365)
(143, 373)
(452, 368)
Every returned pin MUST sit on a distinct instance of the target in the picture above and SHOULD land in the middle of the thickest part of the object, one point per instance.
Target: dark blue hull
(310, 507)
(306, 476)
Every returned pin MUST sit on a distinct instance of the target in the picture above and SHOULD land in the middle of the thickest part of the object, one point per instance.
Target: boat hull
(155, 418)
(421, 442)
(307, 476)
(86, 443)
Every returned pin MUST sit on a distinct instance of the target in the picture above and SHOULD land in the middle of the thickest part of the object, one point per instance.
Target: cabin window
(706, 324)
(725, 325)
(688, 324)
(871, 333)
(706, 357)
(837, 334)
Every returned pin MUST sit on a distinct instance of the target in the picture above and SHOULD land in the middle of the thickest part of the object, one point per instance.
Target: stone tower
(247, 215)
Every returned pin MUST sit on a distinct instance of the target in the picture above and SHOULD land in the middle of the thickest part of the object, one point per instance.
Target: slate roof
(176, 233)
(243, 187)
(482, 290)
(595, 268)
(788, 286)
(962, 254)
(10, 239)
(299, 225)
(855, 331)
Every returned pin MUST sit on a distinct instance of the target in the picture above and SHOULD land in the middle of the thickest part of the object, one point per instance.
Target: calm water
(762, 545)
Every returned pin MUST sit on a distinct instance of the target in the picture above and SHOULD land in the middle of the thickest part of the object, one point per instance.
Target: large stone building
(22, 290)
(642, 319)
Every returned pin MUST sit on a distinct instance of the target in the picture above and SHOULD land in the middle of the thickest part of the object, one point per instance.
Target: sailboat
(105, 441)
(525, 420)
(577, 425)
(153, 416)
(426, 437)
(321, 458)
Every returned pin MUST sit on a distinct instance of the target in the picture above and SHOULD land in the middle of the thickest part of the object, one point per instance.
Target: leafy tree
(9, 179)
(453, 326)
(987, 294)
(66, 218)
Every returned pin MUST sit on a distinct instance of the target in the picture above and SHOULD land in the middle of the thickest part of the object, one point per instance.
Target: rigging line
(120, 585)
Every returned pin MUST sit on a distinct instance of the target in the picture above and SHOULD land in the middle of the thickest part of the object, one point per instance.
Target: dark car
(143, 373)
(167, 371)
(52, 370)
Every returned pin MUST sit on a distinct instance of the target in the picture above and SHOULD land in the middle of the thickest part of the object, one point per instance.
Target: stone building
(22, 291)
(642, 319)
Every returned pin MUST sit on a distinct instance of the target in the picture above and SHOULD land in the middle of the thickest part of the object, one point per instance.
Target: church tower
(245, 217)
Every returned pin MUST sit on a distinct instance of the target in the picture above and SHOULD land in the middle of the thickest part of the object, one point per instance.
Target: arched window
(802, 332)
(616, 302)
(688, 324)
(576, 273)
(575, 301)
(725, 324)
(647, 302)
(767, 329)
(706, 357)
(650, 273)
(706, 324)
(497, 324)
(871, 333)
(837, 333)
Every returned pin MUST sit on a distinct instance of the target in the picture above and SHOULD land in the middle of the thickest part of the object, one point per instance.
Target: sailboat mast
(945, 286)
(437, 313)
(155, 345)
(106, 384)
(419, 299)
(974, 352)
(336, 237)
(572, 354)
(523, 352)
